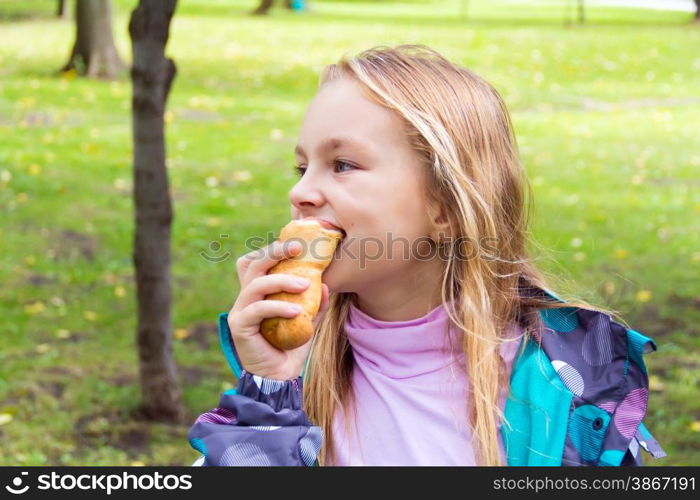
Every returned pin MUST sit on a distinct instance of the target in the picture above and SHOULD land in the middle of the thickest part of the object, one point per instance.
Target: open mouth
(327, 225)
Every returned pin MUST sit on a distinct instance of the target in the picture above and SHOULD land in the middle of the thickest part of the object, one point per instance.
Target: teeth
(307, 222)
(316, 221)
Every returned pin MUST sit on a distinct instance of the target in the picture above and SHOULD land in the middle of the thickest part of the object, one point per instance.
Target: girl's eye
(340, 162)
(300, 170)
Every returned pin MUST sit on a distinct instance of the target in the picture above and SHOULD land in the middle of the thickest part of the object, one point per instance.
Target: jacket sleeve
(642, 440)
(260, 422)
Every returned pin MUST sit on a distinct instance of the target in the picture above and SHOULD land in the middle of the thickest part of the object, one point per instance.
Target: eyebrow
(333, 143)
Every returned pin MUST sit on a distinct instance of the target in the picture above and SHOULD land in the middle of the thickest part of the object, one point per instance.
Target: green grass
(606, 115)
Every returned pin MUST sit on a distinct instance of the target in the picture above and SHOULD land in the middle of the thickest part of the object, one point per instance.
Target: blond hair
(459, 125)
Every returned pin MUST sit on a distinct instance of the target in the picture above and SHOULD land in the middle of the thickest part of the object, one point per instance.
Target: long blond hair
(459, 125)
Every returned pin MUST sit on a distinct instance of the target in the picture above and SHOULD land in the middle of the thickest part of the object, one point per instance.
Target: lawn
(606, 113)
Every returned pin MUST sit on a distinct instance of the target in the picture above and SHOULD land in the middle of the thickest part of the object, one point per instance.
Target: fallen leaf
(655, 384)
(181, 333)
(35, 307)
(620, 253)
(62, 333)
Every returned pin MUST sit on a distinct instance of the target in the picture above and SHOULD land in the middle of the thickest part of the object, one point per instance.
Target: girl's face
(359, 173)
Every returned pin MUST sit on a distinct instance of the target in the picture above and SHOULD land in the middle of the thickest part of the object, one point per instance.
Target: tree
(265, 5)
(152, 75)
(94, 53)
(581, 12)
(697, 10)
(262, 9)
(62, 9)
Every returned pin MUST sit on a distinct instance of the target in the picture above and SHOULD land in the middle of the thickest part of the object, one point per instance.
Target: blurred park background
(606, 106)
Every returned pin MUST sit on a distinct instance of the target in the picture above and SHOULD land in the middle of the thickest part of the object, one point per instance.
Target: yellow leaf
(43, 348)
(241, 176)
(90, 315)
(5, 418)
(609, 287)
(181, 333)
(35, 308)
(620, 253)
(119, 291)
(695, 426)
(643, 296)
(70, 74)
(655, 384)
(26, 102)
(137, 463)
(34, 169)
(62, 333)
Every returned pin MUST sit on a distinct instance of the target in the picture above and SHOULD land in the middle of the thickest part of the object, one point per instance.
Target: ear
(440, 225)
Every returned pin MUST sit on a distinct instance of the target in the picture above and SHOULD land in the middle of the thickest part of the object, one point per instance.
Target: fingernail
(295, 308)
(301, 281)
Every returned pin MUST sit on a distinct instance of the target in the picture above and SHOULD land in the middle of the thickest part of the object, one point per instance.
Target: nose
(307, 192)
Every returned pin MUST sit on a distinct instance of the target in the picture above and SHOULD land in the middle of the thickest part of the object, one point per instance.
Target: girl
(432, 311)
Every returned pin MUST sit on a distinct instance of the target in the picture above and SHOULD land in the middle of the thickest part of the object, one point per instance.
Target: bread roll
(318, 247)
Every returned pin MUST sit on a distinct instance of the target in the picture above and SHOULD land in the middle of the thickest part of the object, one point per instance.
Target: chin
(333, 277)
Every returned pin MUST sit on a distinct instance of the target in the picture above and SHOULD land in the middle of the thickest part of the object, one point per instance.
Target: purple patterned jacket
(578, 397)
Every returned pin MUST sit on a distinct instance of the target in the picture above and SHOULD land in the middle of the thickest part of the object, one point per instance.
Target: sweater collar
(404, 349)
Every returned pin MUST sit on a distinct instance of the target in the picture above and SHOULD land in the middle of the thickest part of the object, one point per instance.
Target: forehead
(340, 110)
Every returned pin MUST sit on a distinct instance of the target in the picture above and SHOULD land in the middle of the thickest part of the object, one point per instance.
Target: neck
(409, 296)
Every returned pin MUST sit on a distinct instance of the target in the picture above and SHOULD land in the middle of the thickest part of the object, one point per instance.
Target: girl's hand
(257, 355)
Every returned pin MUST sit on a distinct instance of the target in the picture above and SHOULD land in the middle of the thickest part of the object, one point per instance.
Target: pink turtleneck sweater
(411, 393)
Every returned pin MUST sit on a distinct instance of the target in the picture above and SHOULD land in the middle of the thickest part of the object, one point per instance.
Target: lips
(325, 224)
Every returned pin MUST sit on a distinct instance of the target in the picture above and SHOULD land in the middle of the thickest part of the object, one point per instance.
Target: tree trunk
(94, 53)
(581, 11)
(62, 9)
(697, 10)
(263, 8)
(152, 75)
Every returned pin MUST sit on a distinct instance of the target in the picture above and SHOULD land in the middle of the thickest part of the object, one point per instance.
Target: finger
(257, 263)
(247, 321)
(269, 284)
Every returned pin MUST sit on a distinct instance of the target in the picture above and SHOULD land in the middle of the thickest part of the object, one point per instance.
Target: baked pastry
(318, 246)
